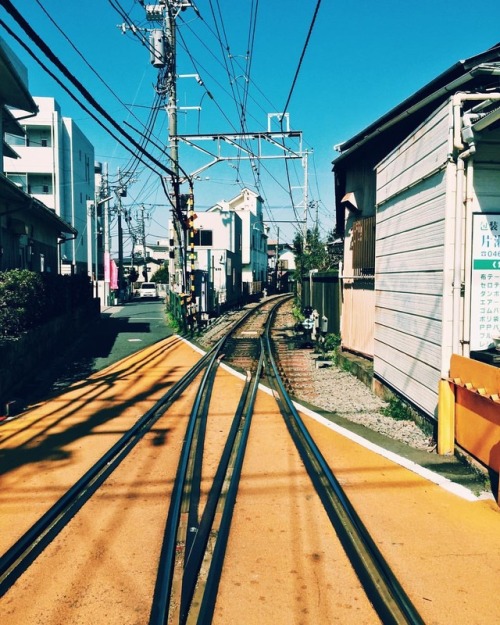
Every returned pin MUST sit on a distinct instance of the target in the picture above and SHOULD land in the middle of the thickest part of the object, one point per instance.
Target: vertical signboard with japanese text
(485, 295)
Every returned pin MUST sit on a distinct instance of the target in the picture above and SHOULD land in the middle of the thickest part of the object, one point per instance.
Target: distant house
(30, 232)
(217, 260)
(54, 163)
(147, 260)
(418, 201)
(281, 264)
(248, 206)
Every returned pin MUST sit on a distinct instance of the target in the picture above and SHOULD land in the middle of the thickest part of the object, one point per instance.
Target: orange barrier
(477, 408)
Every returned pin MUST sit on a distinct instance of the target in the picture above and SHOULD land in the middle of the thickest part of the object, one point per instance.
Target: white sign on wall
(485, 295)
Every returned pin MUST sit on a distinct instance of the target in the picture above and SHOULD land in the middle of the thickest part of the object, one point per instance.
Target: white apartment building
(55, 165)
(248, 206)
(217, 262)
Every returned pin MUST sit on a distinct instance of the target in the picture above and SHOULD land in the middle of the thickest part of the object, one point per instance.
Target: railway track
(199, 528)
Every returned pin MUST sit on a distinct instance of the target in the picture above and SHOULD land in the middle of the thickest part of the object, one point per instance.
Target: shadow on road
(98, 347)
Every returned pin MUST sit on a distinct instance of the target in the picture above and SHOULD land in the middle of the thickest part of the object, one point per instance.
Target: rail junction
(172, 488)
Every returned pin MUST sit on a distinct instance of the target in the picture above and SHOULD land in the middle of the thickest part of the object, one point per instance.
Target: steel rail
(207, 607)
(195, 543)
(165, 576)
(196, 554)
(193, 476)
(25, 550)
(31, 544)
(383, 588)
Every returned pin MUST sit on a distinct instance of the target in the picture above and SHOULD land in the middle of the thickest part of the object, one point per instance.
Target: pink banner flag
(113, 275)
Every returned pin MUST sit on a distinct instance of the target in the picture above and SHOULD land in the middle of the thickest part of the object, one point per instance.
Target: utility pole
(306, 196)
(143, 240)
(121, 191)
(107, 247)
(163, 56)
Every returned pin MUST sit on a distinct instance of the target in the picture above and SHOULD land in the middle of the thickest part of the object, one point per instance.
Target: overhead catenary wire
(19, 19)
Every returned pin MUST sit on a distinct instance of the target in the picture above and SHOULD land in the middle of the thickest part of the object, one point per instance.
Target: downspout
(457, 155)
(457, 346)
(460, 200)
(467, 270)
(311, 271)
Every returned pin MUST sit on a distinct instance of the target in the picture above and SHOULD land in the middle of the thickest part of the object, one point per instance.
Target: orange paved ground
(445, 549)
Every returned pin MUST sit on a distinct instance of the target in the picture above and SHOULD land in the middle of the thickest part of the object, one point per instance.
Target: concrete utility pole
(121, 191)
(107, 246)
(143, 241)
(163, 56)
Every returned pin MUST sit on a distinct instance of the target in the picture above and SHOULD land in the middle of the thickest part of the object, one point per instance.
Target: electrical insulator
(157, 48)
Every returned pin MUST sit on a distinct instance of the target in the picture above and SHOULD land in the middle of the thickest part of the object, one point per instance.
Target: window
(39, 184)
(363, 247)
(203, 237)
(14, 139)
(38, 136)
(20, 180)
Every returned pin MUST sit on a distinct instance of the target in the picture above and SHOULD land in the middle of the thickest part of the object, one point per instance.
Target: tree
(161, 276)
(335, 248)
(313, 255)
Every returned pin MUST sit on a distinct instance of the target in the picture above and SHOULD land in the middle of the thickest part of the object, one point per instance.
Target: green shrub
(398, 410)
(172, 322)
(28, 299)
(23, 301)
(332, 341)
(161, 276)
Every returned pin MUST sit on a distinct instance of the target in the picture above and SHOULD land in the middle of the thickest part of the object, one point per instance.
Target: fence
(321, 291)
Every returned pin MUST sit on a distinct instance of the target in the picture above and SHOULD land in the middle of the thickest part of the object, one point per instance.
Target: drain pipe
(311, 271)
(457, 261)
(458, 100)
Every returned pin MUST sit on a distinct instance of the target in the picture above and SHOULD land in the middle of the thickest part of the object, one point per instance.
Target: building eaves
(13, 89)
(17, 201)
(11, 124)
(8, 151)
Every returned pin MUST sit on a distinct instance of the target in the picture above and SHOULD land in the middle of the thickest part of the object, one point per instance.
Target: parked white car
(148, 289)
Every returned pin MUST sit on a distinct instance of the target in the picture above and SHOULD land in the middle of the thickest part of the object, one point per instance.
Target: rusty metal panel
(363, 246)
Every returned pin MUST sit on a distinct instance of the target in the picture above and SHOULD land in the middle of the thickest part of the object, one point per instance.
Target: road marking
(139, 319)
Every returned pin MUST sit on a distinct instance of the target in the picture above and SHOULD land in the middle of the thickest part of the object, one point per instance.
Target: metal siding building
(435, 162)
(410, 260)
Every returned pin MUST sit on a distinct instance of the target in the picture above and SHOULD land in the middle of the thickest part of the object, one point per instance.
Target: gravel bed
(344, 394)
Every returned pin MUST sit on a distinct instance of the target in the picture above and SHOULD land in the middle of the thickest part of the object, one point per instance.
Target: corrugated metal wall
(358, 316)
(325, 297)
(410, 260)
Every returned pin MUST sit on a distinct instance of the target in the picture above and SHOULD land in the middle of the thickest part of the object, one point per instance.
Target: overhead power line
(19, 19)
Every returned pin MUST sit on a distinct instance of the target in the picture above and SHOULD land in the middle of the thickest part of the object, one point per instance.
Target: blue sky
(363, 58)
